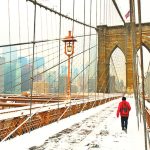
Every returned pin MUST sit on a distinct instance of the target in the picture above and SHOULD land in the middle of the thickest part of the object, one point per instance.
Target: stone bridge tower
(109, 38)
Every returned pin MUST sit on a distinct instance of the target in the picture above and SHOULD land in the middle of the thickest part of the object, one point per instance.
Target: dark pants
(124, 122)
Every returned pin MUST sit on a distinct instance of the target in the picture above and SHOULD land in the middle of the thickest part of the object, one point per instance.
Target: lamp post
(69, 50)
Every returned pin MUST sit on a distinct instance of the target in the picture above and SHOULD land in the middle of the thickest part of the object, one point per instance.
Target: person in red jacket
(123, 109)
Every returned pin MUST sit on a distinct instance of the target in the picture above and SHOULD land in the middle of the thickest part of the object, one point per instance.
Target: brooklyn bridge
(65, 66)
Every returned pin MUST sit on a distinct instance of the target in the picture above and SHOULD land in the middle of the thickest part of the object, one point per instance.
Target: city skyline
(15, 75)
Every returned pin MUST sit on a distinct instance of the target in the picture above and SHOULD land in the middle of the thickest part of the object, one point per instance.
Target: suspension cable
(73, 11)
(32, 75)
(133, 37)
(138, 109)
(117, 8)
(96, 52)
(60, 14)
(59, 51)
(89, 47)
(142, 73)
(83, 50)
(9, 39)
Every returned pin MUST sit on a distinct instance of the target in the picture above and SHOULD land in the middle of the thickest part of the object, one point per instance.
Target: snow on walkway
(110, 136)
(97, 128)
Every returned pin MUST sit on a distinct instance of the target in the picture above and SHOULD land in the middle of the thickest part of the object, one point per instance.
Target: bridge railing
(40, 119)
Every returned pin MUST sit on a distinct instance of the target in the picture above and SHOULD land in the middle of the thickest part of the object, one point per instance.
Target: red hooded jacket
(123, 109)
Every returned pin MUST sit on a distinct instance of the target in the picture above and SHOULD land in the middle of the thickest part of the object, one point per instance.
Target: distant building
(23, 61)
(121, 86)
(92, 85)
(12, 78)
(41, 87)
(63, 71)
(63, 84)
(25, 73)
(18, 79)
(38, 77)
(74, 88)
(75, 72)
(38, 62)
(112, 88)
(118, 86)
(25, 77)
(10, 68)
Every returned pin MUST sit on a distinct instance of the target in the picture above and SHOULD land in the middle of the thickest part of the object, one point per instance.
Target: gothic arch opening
(117, 71)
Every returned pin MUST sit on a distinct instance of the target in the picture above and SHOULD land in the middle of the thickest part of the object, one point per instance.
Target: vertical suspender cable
(106, 11)
(109, 14)
(139, 64)
(100, 16)
(135, 86)
(104, 15)
(73, 17)
(142, 73)
(136, 90)
(28, 37)
(10, 46)
(138, 104)
(110, 22)
(96, 54)
(72, 57)
(133, 37)
(89, 48)
(20, 49)
(41, 51)
(47, 31)
(104, 22)
(83, 50)
(126, 47)
(32, 75)
(59, 52)
(38, 59)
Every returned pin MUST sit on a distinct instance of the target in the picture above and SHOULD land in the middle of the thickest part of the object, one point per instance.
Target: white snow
(97, 128)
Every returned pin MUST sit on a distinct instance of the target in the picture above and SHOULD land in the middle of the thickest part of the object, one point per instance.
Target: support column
(103, 66)
(129, 64)
(129, 77)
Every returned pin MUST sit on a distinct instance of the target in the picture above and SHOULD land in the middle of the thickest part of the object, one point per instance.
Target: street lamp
(69, 50)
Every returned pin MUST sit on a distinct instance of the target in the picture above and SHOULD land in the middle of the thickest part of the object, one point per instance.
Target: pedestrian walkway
(109, 136)
(97, 128)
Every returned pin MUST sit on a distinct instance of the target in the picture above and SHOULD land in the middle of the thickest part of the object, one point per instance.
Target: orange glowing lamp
(69, 44)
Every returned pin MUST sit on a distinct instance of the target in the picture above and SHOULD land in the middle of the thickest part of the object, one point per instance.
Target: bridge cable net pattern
(33, 59)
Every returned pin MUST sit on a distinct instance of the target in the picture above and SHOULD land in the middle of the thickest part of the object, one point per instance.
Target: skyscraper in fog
(25, 73)
(112, 83)
(38, 62)
(10, 55)
(12, 71)
(63, 70)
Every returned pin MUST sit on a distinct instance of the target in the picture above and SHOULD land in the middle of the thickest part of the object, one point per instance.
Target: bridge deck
(17, 112)
(96, 128)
